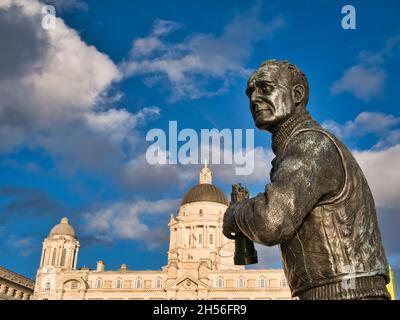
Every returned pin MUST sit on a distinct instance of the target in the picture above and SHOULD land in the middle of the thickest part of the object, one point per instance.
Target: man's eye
(267, 88)
(249, 92)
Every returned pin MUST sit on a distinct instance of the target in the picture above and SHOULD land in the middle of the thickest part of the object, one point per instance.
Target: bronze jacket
(319, 208)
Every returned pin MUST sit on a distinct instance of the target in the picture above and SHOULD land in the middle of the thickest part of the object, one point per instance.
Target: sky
(77, 102)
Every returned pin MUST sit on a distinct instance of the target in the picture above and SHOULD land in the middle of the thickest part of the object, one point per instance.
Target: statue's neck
(282, 131)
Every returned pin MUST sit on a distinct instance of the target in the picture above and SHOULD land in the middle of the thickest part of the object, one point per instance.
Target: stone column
(18, 295)
(76, 257)
(205, 230)
(42, 257)
(11, 292)
(4, 289)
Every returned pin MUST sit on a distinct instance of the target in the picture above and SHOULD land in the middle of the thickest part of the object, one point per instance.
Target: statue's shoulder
(312, 139)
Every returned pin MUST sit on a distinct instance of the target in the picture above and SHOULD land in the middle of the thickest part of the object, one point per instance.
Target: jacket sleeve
(310, 170)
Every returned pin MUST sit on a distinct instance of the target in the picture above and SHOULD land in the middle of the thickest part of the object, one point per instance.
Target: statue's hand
(239, 193)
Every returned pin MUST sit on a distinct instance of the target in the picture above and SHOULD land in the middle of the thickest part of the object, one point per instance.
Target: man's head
(277, 89)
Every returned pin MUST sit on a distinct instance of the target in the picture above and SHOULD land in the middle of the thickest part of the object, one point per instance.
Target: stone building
(13, 286)
(200, 261)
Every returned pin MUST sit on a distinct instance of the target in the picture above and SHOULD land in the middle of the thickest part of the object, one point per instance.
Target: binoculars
(245, 252)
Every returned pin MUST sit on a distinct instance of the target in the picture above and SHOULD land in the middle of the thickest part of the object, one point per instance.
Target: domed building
(200, 261)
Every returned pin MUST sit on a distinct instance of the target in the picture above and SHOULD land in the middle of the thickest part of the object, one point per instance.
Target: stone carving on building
(14, 286)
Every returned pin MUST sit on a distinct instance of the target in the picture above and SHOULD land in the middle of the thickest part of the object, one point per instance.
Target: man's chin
(263, 123)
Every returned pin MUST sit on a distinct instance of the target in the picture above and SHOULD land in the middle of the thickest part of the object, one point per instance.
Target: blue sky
(74, 111)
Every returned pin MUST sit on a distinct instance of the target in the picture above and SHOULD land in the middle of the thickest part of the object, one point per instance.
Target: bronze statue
(318, 206)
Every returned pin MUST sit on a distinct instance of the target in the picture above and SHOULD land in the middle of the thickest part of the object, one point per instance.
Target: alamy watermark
(49, 19)
(349, 281)
(224, 146)
(349, 20)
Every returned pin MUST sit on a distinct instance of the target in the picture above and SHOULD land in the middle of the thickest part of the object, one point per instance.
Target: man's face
(270, 97)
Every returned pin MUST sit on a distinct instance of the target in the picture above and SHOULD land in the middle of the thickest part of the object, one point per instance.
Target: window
(158, 283)
(262, 282)
(200, 238)
(118, 283)
(99, 283)
(74, 285)
(283, 282)
(211, 239)
(44, 255)
(220, 282)
(53, 258)
(240, 282)
(63, 255)
(47, 286)
(138, 283)
(201, 212)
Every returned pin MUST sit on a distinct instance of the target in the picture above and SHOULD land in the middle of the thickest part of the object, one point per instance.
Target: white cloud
(24, 246)
(380, 163)
(262, 166)
(383, 174)
(366, 79)
(365, 83)
(117, 124)
(365, 122)
(190, 66)
(123, 220)
(58, 100)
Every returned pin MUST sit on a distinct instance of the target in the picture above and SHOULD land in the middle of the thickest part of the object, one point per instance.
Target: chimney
(100, 265)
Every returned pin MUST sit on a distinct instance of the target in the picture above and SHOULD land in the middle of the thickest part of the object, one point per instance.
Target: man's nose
(254, 96)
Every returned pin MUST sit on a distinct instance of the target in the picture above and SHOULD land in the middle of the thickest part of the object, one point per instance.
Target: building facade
(200, 261)
(13, 286)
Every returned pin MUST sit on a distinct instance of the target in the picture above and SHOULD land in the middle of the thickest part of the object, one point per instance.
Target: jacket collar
(280, 136)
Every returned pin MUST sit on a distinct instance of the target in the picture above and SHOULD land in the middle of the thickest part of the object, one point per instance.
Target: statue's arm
(310, 171)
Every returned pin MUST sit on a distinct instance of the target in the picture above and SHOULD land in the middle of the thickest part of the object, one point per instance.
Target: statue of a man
(318, 206)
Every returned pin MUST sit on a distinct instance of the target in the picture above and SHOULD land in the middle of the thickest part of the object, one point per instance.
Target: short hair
(296, 76)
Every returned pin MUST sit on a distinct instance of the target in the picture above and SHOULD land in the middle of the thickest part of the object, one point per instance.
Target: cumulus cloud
(366, 122)
(364, 82)
(203, 64)
(24, 246)
(261, 163)
(366, 79)
(381, 167)
(127, 220)
(380, 162)
(55, 97)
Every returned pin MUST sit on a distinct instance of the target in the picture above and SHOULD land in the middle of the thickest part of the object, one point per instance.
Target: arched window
(262, 282)
(240, 282)
(47, 286)
(158, 283)
(118, 283)
(283, 282)
(53, 258)
(138, 283)
(99, 283)
(63, 255)
(220, 282)
(201, 212)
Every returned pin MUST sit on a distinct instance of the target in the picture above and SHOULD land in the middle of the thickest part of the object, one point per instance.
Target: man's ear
(298, 92)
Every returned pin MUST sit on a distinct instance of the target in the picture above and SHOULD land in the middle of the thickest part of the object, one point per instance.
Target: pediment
(187, 282)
